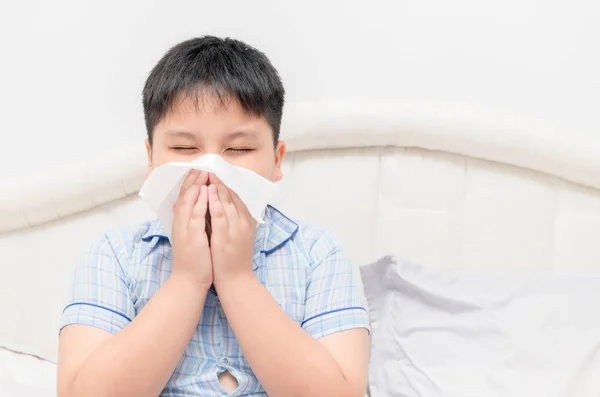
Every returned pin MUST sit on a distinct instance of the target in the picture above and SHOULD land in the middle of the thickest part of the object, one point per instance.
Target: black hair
(227, 68)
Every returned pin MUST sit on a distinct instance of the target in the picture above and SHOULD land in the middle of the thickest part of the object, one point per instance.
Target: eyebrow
(232, 136)
(241, 134)
(184, 134)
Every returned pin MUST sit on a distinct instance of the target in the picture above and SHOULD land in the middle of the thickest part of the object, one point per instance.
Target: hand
(191, 252)
(233, 230)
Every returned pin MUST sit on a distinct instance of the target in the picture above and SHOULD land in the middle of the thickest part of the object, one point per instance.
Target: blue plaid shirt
(302, 267)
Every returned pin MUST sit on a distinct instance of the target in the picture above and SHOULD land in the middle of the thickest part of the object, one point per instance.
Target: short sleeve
(99, 296)
(335, 299)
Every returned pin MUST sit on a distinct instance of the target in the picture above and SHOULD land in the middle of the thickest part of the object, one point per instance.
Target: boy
(224, 307)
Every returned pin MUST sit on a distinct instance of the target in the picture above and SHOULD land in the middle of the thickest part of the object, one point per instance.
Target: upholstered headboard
(442, 184)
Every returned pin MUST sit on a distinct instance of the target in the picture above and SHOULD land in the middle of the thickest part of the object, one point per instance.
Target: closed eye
(240, 150)
(184, 148)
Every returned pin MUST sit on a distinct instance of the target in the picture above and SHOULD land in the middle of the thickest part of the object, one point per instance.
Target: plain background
(72, 71)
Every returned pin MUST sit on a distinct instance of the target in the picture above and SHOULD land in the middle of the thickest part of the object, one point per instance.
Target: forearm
(286, 360)
(139, 360)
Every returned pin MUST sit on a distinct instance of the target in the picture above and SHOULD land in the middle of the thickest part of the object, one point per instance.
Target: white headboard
(443, 184)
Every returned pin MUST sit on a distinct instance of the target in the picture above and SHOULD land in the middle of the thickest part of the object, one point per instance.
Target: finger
(189, 180)
(240, 206)
(198, 219)
(214, 180)
(228, 205)
(203, 178)
(184, 206)
(194, 177)
(217, 214)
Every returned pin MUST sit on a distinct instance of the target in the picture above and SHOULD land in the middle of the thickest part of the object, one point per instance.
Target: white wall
(71, 71)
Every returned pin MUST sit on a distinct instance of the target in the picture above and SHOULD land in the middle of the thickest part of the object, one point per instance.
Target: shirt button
(224, 361)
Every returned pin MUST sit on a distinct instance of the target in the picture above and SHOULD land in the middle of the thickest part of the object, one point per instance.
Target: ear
(279, 153)
(149, 155)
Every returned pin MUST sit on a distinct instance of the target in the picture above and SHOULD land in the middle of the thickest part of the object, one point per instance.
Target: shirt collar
(154, 230)
(272, 234)
(276, 230)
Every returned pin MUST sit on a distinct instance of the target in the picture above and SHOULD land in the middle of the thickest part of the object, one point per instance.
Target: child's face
(191, 130)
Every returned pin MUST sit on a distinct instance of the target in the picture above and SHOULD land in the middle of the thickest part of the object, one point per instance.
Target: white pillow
(456, 335)
(23, 375)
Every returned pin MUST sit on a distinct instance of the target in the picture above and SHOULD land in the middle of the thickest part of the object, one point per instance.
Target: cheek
(277, 175)
(268, 171)
(161, 157)
(261, 164)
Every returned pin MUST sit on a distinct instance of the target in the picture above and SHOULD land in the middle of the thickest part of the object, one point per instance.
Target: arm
(328, 355)
(140, 357)
(287, 360)
(138, 360)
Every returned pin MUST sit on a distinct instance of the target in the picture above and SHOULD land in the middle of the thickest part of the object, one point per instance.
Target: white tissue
(161, 189)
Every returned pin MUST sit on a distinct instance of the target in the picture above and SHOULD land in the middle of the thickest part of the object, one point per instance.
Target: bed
(451, 186)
